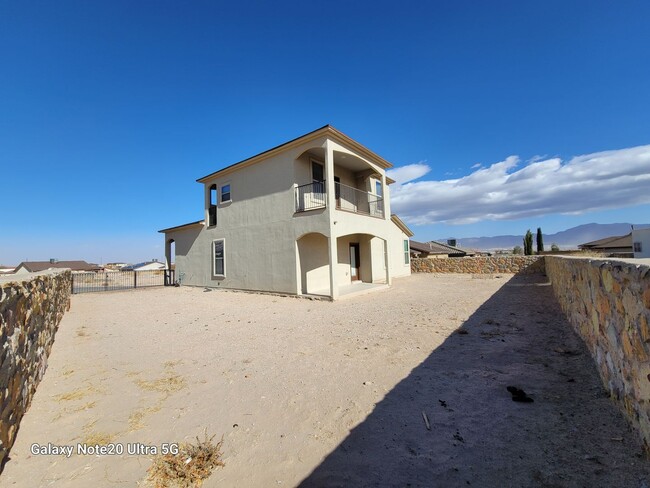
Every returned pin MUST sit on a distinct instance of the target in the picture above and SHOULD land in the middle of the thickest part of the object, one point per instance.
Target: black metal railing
(359, 201)
(119, 280)
(310, 196)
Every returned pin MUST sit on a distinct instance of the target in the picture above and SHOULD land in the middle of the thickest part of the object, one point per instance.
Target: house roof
(36, 266)
(327, 130)
(142, 265)
(433, 247)
(609, 242)
(402, 226)
(191, 224)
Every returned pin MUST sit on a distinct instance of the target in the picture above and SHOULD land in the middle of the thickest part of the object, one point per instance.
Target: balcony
(313, 196)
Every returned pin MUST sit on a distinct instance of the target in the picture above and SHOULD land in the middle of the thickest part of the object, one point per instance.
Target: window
(219, 253)
(638, 247)
(212, 208)
(225, 193)
(406, 251)
(317, 171)
(378, 188)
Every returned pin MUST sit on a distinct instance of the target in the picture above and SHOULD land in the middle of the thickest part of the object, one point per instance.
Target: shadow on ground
(571, 435)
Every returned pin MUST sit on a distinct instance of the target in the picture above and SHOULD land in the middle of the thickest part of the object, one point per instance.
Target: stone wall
(608, 304)
(480, 265)
(30, 312)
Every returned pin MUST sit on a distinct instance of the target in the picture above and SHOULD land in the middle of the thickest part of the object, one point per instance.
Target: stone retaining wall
(480, 265)
(608, 304)
(30, 312)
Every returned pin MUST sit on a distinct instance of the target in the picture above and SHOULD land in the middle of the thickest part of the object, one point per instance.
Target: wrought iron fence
(120, 280)
(358, 201)
(310, 196)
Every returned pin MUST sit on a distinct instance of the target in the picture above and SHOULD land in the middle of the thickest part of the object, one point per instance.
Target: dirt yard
(311, 393)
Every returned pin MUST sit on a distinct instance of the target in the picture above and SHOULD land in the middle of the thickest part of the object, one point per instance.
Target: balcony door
(318, 182)
(354, 262)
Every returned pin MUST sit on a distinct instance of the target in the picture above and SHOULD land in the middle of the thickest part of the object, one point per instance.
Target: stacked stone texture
(30, 312)
(608, 304)
(480, 265)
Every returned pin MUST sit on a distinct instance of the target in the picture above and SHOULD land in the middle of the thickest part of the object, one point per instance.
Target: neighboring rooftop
(433, 247)
(36, 266)
(608, 243)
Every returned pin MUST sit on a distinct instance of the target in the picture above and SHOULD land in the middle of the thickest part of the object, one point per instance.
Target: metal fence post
(135, 279)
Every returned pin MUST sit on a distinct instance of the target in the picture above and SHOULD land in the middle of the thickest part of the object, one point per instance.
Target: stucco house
(311, 216)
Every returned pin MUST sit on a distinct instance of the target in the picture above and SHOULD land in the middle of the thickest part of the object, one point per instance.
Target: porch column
(333, 257)
(384, 195)
(387, 262)
(331, 209)
(329, 178)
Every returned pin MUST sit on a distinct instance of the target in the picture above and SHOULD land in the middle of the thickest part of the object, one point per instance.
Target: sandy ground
(311, 393)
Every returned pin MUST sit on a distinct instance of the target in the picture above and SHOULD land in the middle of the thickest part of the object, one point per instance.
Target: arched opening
(361, 258)
(313, 261)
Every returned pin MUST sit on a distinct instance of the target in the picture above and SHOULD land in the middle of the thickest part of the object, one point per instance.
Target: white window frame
(407, 252)
(378, 188)
(311, 168)
(214, 259)
(229, 185)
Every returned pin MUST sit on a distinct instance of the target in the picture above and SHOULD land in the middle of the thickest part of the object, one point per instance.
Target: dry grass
(77, 394)
(167, 384)
(94, 437)
(136, 417)
(187, 469)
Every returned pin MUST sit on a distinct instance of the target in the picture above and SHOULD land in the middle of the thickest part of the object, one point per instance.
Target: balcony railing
(358, 201)
(310, 196)
(313, 196)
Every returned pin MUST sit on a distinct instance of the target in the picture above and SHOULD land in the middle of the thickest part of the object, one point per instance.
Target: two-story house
(311, 216)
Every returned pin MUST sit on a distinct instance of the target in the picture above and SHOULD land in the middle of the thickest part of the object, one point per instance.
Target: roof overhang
(179, 227)
(402, 226)
(327, 131)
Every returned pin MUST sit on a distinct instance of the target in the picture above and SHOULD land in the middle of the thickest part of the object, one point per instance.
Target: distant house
(641, 243)
(37, 266)
(621, 246)
(433, 249)
(146, 266)
(6, 269)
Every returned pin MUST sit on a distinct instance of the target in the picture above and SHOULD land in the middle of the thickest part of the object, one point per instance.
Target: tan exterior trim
(178, 227)
(402, 226)
(327, 130)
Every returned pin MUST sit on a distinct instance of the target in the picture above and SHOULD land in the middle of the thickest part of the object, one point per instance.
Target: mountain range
(566, 239)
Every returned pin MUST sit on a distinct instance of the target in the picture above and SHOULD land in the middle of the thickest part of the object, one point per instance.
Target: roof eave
(327, 130)
(178, 227)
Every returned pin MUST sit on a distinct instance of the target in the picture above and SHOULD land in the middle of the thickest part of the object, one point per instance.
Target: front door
(354, 262)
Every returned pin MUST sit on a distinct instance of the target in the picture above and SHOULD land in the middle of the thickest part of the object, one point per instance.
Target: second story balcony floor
(313, 196)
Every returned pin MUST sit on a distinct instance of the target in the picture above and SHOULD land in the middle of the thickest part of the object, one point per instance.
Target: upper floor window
(317, 171)
(378, 188)
(212, 209)
(225, 193)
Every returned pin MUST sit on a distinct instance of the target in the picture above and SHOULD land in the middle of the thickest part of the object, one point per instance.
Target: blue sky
(109, 111)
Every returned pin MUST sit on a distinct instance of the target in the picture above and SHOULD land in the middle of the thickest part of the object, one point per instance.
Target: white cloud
(598, 181)
(477, 165)
(407, 173)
